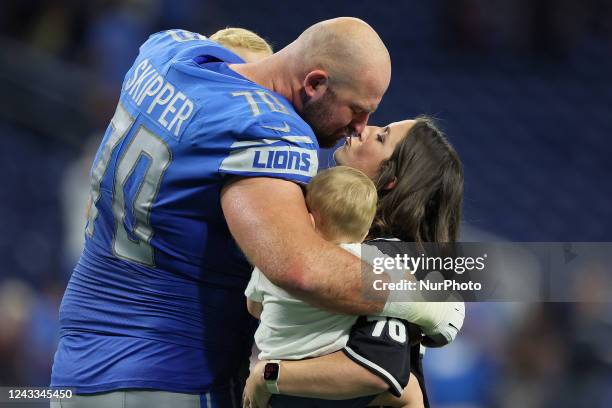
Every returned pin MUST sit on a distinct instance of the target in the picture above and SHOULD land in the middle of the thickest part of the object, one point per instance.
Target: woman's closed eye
(382, 135)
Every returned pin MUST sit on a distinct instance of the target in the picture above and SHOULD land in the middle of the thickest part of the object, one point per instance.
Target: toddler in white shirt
(342, 204)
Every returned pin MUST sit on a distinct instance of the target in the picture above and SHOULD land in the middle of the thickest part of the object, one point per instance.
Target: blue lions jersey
(156, 300)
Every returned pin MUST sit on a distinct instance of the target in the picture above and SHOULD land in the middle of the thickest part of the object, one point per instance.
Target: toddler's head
(342, 201)
(247, 44)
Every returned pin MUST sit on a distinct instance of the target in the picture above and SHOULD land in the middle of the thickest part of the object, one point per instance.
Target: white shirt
(290, 329)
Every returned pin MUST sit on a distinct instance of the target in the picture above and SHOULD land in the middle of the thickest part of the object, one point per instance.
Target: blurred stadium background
(523, 89)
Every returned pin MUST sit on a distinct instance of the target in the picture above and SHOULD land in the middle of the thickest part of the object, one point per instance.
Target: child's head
(248, 45)
(342, 201)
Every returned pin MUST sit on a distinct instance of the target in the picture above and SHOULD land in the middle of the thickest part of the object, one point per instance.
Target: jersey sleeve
(252, 290)
(273, 148)
(382, 346)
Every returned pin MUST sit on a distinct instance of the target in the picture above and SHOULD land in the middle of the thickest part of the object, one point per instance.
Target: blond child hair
(243, 42)
(342, 201)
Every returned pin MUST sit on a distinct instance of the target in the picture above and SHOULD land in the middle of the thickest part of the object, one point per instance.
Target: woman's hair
(344, 201)
(241, 38)
(425, 203)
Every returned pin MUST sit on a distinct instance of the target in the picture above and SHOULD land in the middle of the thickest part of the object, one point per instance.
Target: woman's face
(375, 144)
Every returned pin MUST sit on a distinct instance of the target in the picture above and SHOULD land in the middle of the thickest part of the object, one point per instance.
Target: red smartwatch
(271, 375)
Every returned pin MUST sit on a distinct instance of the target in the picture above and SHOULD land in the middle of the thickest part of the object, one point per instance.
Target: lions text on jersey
(156, 300)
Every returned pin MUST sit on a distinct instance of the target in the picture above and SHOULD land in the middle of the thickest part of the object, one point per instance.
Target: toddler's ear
(312, 221)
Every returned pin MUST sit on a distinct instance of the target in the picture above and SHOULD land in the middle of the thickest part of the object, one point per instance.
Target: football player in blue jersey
(201, 165)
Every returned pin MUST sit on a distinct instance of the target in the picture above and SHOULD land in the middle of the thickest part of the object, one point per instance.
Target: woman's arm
(333, 376)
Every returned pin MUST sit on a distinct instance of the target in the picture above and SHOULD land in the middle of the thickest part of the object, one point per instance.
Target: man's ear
(316, 83)
(391, 185)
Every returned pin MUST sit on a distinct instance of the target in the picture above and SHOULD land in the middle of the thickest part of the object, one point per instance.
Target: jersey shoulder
(274, 118)
(241, 112)
(166, 83)
(270, 139)
(175, 45)
(273, 145)
(174, 56)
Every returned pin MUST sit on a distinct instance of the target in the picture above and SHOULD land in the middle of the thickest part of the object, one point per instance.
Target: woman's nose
(363, 135)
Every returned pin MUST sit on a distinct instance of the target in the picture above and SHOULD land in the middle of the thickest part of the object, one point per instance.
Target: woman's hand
(255, 394)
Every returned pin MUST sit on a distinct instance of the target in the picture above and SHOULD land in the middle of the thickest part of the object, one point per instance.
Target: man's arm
(269, 221)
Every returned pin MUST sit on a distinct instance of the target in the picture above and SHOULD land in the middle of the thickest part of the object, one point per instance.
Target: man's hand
(449, 326)
(255, 394)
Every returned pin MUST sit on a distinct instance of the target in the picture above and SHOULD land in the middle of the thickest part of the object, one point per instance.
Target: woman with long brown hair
(418, 176)
(419, 180)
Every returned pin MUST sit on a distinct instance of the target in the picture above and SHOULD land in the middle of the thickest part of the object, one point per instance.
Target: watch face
(271, 372)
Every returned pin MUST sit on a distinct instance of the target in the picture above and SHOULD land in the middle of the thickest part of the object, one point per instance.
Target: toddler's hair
(345, 201)
(241, 38)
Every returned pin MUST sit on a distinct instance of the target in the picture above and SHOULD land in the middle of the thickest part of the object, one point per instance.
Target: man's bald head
(348, 49)
(334, 74)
